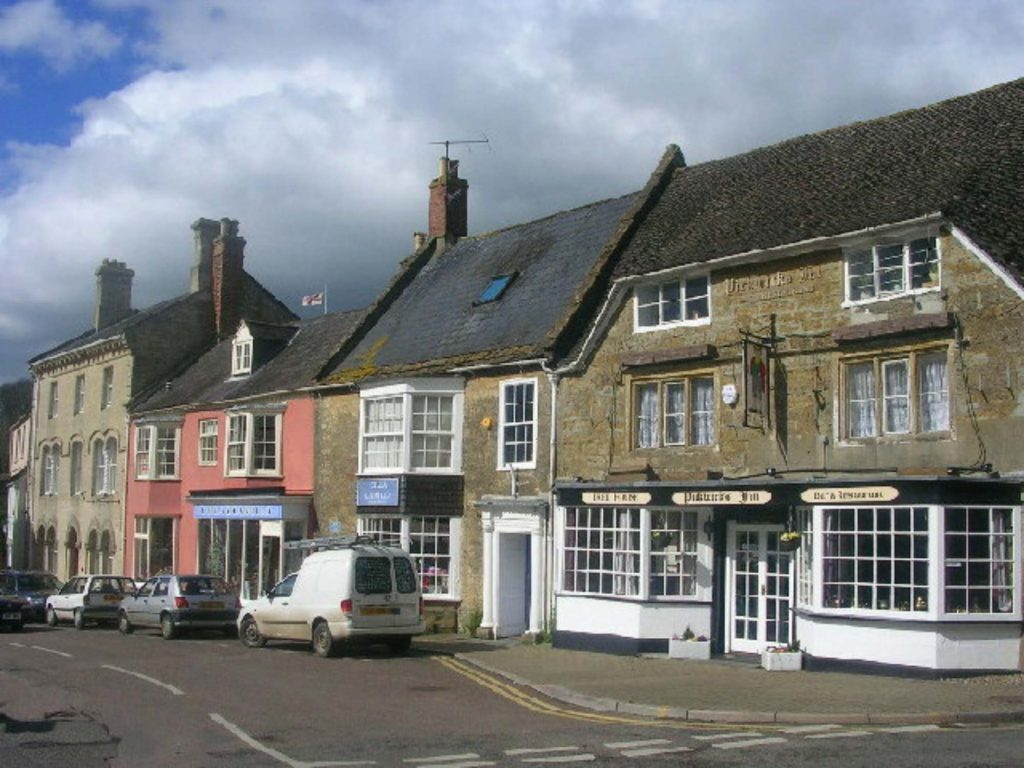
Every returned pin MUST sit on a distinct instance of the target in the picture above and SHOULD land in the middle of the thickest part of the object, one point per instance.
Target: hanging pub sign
(755, 378)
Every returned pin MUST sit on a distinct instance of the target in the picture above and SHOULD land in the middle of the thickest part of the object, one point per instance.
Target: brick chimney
(204, 231)
(448, 216)
(113, 293)
(227, 276)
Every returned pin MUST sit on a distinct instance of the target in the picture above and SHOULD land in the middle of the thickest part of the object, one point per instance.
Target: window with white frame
(51, 410)
(897, 395)
(208, 429)
(79, 404)
(50, 460)
(602, 551)
(517, 433)
(153, 546)
(107, 390)
(104, 466)
(431, 540)
(253, 443)
(673, 302)
(76, 467)
(156, 451)
(412, 428)
(673, 553)
(241, 356)
(979, 557)
(673, 412)
(892, 269)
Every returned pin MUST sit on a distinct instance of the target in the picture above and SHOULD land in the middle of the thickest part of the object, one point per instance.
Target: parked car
(173, 602)
(92, 598)
(33, 586)
(12, 612)
(359, 592)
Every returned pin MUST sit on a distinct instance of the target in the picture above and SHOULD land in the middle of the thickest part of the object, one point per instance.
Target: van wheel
(323, 643)
(399, 644)
(167, 628)
(250, 635)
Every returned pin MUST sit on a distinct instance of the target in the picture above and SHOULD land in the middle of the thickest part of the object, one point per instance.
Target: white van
(352, 591)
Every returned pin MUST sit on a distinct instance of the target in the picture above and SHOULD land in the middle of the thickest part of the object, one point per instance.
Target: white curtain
(702, 427)
(675, 413)
(897, 397)
(627, 558)
(861, 399)
(933, 393)
(647, 416)
(1002, 563)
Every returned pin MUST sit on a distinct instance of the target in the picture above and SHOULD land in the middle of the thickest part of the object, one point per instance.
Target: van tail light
(346, 607)
(180, 602)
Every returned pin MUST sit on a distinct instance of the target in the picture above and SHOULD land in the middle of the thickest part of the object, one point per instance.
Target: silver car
(175, 602)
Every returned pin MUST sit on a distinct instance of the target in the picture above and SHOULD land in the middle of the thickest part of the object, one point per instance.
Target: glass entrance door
(760, 586)
(270, 555)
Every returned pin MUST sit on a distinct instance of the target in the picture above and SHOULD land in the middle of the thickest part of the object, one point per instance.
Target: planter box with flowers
(784, 658)
(689, 646)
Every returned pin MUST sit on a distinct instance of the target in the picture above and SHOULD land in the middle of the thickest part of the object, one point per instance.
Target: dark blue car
(33, 586)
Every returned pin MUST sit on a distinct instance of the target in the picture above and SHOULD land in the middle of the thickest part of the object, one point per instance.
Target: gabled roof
(436, 320)
(963, 158)
(208, 380)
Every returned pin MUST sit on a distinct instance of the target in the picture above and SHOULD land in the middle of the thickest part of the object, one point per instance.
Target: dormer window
(887, 270)
(241, 354)
(673, 302)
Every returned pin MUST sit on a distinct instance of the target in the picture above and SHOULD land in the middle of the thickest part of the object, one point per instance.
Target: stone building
(797, 417)
(85, 387)
(437, 434)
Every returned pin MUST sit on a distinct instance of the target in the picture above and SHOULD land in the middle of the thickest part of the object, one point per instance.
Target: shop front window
(602, 551)
(979, 559)
(673, 553)
(154, 546)
(429, 539)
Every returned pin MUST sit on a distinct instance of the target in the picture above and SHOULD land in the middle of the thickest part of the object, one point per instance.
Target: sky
(313, 122)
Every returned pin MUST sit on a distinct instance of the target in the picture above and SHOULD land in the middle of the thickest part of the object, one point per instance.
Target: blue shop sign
(377, 492)
(238, 511)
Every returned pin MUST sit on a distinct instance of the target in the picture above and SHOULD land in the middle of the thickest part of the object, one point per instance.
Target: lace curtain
(934, 394)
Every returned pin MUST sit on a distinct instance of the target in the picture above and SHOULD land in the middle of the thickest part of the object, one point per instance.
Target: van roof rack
(330, 542)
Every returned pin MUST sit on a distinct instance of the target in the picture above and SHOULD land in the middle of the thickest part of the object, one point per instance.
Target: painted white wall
(597, 616)
(923, 645)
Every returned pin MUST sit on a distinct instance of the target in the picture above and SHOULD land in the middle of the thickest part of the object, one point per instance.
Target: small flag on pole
(313, 300)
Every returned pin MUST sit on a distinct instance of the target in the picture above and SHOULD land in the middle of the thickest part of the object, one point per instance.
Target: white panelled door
(759, 590)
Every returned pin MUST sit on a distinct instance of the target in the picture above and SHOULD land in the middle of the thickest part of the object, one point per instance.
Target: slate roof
(963, 157)
(436, 322)
(208, 380)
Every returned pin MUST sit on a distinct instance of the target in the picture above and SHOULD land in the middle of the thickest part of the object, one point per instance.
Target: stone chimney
(204, 231)
(448, 217)
(227, 278)
(113, 293)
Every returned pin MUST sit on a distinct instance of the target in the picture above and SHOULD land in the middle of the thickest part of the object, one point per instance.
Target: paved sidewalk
(736, 690)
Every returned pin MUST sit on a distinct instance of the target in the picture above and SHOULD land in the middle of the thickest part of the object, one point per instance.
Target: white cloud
(41, 27)
(310, 122)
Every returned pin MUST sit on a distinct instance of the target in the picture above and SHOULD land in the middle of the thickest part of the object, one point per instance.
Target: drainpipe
(549, 533)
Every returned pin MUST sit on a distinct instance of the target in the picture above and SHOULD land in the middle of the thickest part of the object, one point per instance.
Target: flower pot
(782, 661)
(689, 649)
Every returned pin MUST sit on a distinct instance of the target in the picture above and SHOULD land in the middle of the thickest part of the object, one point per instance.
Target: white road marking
(838, 735)
(50, 650)
(464, 764)
(584, 758)
(442, 758)
(653, 751)
(739, 735)
(912, 728)
(280, 756)
(539, 750)
(811, 728)
(147, 678)
(635, 744)
(750, 743)
(18, 645)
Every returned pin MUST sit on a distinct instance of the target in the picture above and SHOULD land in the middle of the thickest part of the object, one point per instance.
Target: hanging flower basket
(789, 541)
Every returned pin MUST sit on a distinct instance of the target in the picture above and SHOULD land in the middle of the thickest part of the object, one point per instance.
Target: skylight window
(496, 288)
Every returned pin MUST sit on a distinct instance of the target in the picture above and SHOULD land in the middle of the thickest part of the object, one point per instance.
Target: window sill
(669, 326)
(897, 439)
(914, 617)
(850, 303)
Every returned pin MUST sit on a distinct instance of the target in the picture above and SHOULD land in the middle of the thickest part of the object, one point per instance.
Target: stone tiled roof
(436, 320)
(208, 380)
(963, 158)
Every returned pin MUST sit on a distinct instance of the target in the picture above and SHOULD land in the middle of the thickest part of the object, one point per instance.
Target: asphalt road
(97, 698)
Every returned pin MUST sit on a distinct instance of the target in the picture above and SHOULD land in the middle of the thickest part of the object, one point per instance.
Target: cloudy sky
(311, 121)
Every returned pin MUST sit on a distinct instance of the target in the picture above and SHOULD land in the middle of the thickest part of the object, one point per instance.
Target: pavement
(736, 689)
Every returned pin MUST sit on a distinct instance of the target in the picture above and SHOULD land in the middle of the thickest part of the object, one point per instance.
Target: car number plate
(112, 598)
(12, 616)
(213, 605)
(379, 610)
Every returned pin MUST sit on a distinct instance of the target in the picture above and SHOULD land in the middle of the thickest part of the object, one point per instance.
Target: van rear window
(373, 576)
(405, 576)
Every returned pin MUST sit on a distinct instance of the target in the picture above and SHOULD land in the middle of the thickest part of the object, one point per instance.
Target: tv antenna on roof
(449, 142)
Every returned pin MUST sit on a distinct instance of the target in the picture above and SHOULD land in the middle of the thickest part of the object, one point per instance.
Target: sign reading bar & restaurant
(860, 495)
(617, 499)
(725, 498)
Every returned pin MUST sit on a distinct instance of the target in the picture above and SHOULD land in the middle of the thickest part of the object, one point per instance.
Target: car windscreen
(41, 582)
(405, 576)
(202, 585)
(373, 576)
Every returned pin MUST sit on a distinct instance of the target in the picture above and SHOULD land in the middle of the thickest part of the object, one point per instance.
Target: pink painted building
(221, 460)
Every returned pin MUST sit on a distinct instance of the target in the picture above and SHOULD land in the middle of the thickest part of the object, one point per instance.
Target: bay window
(412, 428)
(898, 395)
(156, 451)
(674, 412)
(431, 541)
(254, 443)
